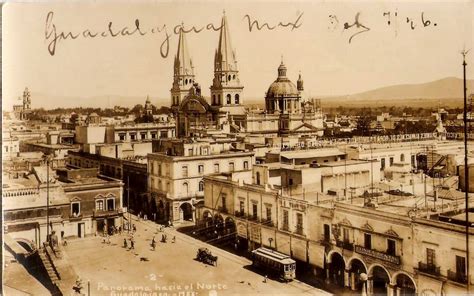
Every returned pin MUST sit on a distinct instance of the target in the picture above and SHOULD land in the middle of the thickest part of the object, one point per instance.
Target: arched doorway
(153, 209)
(219, 225)
(186, 211)
(161, 211)
(356, 267)
(404, 285)
(229, 226)
(336, 269)
(380, 280)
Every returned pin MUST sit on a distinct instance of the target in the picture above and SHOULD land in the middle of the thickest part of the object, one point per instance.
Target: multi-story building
(395, 241)
(81, 203)
(177, 169)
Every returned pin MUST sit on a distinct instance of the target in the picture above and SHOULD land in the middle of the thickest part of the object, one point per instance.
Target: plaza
(170, 269)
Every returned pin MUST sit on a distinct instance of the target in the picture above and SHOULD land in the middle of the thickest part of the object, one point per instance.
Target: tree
(363, 125)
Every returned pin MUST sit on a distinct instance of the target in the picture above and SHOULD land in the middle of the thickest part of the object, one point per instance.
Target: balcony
(457, 277)
(253, 218)
(223, 210)
(240, 214)
(428, 268)
(268, 222)
(378, 255)
(345, 245)
(75, 217)
(299, 231)
(285, 228)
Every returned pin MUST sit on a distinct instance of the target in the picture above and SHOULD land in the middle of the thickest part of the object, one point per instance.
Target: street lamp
(270, 240)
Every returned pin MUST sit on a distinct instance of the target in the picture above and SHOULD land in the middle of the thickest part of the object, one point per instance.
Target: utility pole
(47, 198)
(466, 171)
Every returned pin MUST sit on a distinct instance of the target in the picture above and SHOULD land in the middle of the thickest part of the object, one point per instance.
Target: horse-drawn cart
(205, 256)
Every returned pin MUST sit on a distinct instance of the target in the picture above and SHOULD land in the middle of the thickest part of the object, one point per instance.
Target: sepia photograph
(207, 148)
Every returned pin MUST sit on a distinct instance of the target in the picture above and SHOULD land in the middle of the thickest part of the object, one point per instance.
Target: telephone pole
(466, 170)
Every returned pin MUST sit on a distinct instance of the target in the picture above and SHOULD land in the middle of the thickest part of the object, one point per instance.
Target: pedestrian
(108, 239)
(120, 230)
(145, 217)
(153, 243)
(125, 243)
(134, 228)
(163, 240)
(132, 244)
(265, 278)
(174, 239)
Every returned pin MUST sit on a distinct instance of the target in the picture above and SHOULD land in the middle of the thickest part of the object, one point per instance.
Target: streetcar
(275, 263)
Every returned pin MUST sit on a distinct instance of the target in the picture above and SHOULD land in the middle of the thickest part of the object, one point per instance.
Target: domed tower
(283, 96)
(183, 77)
(226, 88)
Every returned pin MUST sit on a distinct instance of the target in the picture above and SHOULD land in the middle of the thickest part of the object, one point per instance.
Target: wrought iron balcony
(223, 210)
(428, 268)
(457, 277)
(345, 245)
(240, 214)
(378, 255)
(107, 213)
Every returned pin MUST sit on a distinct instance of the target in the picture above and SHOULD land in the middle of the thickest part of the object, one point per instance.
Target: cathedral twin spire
(225, 70)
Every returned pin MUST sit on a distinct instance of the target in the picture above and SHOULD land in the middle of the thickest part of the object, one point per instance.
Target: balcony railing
(345, 245)
(240, 214)
(428, 268)
(268, 222)
(299, 230)
(223, 210)
(75, 217)
(457, 277)
(253, 218)
(378, 255)
(285, 228)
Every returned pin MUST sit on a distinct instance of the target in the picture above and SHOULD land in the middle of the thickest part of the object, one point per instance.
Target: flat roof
(312, 153)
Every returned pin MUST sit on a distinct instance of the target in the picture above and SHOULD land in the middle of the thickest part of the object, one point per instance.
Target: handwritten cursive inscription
(54, 36)
(293, 25)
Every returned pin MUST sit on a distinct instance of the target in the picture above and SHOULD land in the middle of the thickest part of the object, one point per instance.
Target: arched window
(229, 77)
(219, 99)
(214, 99)
(402, 157)
(185, 187)
(237, 99)
(257, 177)
(228, 99)
(201, 186)
(186, 81)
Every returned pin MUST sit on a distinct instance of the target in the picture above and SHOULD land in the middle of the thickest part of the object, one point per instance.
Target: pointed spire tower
(226, 88)
(183, 77)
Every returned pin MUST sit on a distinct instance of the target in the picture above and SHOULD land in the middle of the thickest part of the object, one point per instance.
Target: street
(171, 269)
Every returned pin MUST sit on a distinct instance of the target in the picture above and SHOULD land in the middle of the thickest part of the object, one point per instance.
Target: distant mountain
(446, 88)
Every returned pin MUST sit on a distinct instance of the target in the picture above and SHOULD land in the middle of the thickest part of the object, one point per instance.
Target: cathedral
(287, 111)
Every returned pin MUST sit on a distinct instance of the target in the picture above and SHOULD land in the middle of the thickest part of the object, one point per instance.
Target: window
(254, 210)
(257, 177)
(159, 169)
(345, 234)
(229, 99)
(367, 241)
(185, 188)
(299, 223)
(216, 168)
(190, 152)
(153, 135)
(201, 168)
(231, 166)
(269, 213)
(122, 137)
(224, 201)
(413, 160)
(110, 204)
(402, 157)
(391, 247)
(382, 164)
(285, 220)
(460, 266)
(151, 168)
(143, 136)
(75, 209)
(237, 99)
(391, 161)
(184, 170)
(241, 207)
(133, 137)
(327, 232)
(430, 257)
(246, 165)
(99, 205)
(201, 185)
(214, 99)
(290, 182)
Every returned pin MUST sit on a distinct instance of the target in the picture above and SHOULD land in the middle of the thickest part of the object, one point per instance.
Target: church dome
(282, 86)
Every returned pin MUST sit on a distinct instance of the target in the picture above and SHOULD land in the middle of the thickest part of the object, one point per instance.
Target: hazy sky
(132, 66)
